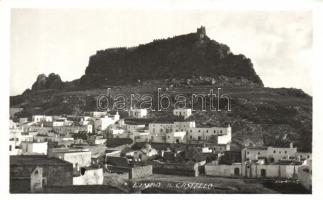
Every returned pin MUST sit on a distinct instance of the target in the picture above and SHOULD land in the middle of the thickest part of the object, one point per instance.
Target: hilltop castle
(201, 32)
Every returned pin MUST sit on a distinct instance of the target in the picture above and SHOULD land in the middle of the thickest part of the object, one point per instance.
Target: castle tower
(201, 32)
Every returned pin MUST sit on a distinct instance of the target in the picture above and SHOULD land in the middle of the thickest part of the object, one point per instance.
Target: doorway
(236, 171)
(263, 173)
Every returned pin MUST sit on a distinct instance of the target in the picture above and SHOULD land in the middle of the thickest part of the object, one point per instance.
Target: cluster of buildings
(55, 151)
(263, 162)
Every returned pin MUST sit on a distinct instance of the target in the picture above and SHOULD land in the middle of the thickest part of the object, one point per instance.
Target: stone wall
(270, 171)
(223, 170)
(140, 171)
(288, 171)
(184, 169)
(132, 171)
(55, 175)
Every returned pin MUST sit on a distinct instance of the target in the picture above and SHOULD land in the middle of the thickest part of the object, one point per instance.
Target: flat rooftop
(36, 160)
(32, 142)
(256, 148)
(287, 162)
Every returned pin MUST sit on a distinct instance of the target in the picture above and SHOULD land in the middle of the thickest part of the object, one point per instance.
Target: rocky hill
(185, 64)
(178, 57)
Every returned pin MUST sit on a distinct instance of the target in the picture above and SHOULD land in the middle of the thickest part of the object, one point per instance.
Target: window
(191, 131)
(214, 131)
(285, 152)
(274, 151)
(258, 153)
(199, 137)
(220, 131)
(308, 156)
(247, 152)
(10, 147)
(199, 131)
(191, 137)
(207, 131)
(280, 152)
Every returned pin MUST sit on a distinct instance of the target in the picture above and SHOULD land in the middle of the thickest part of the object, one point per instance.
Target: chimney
(291, 145)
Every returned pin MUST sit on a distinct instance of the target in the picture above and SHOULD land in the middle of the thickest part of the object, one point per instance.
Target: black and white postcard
(165, 98)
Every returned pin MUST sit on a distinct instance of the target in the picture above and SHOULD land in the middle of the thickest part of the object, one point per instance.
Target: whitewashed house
(23, 120)
(138, 113)
(17, 135)
(12, 124)
(140, 136)
(32, 148)
(183, 126)
(134, 127)
(176, 137)
(78, 157)
(158, 131)
(85, 120)
(223, 134)
(182, 112)
(13, 150)
(279, 169)
(160, 128)
(301, 156)
(96, 114)
(115, 131)
(103, 123)
(271, 154)
(42, 118)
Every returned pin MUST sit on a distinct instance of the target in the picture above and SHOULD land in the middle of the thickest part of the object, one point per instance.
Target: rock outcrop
(182, 56)
(53, 81)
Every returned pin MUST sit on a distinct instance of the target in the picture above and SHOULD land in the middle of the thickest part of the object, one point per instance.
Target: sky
(279, 43)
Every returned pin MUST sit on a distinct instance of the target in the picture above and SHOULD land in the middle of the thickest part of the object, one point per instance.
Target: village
(54, 153)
